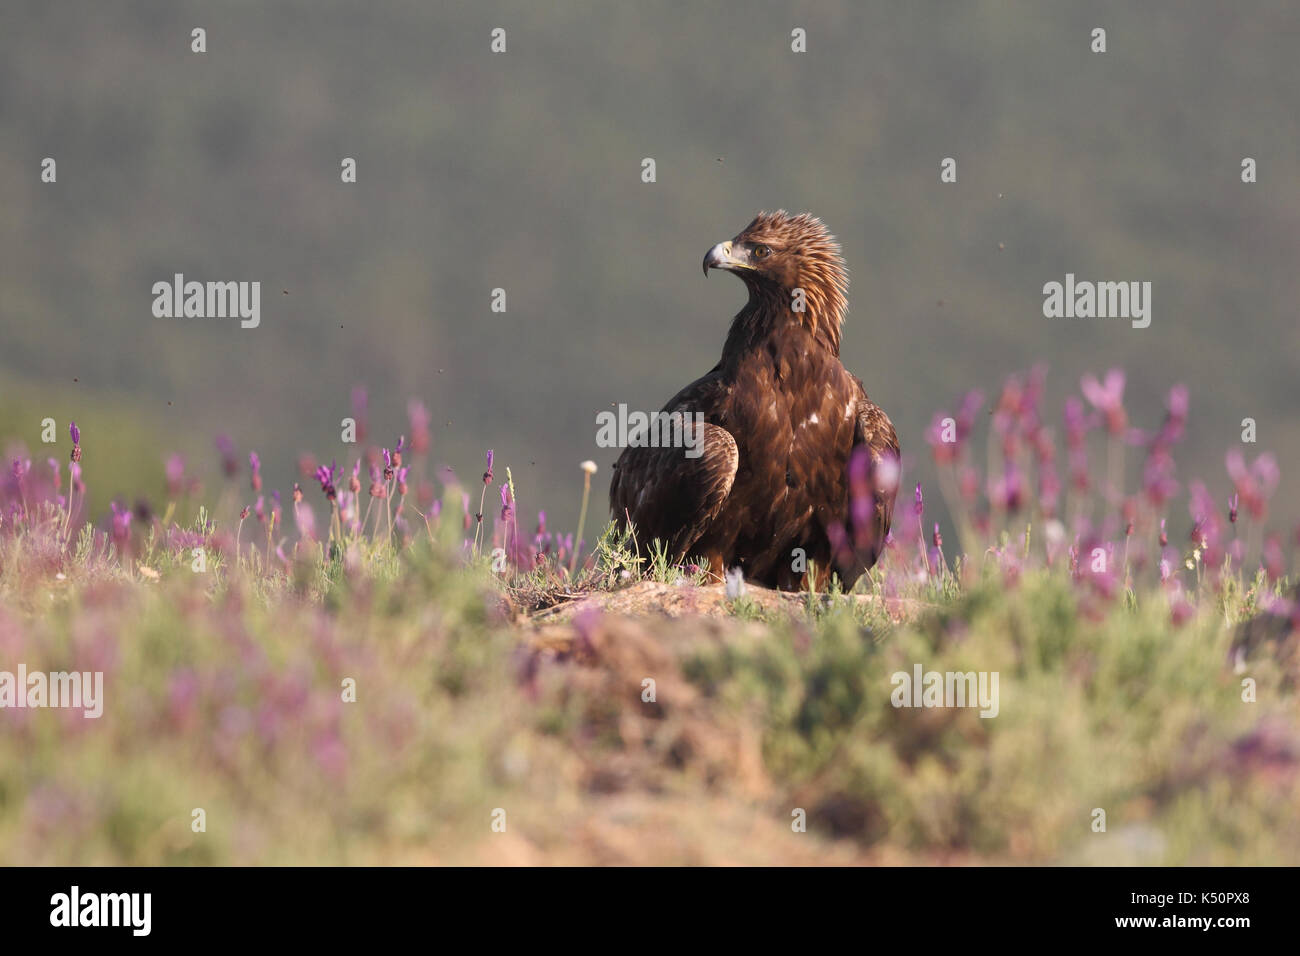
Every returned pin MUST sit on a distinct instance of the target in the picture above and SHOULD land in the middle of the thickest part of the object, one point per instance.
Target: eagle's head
(777, 254)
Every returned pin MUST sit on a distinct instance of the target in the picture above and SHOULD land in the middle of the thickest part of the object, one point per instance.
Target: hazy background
(522, 170)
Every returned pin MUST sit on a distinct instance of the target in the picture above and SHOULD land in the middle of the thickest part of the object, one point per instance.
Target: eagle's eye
(762, 252)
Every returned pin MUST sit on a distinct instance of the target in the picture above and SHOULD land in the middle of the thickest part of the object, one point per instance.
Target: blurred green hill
(522, 171)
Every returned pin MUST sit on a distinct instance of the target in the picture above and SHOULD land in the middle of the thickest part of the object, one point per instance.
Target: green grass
(224, 691)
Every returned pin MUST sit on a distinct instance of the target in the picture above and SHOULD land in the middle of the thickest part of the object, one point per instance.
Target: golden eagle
(792, 465)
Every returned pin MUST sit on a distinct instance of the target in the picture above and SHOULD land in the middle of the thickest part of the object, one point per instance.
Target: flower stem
(582, 522)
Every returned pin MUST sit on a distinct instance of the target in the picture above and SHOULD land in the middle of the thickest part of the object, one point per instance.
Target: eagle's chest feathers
(791, 410)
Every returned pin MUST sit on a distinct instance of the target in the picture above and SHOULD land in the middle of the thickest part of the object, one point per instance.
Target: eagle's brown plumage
(783, 419)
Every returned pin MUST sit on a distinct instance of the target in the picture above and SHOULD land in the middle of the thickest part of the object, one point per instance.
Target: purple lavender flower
(970, 406)
(945, 452)
(1035, 386)
(1255, 484)
(1049, 487)
(1175, 418)
(121, 524)
(255, 464)
(1107, 398)
(75, 432)
(1158, 476)
(418, 418)
(862, 504)
(1007, 490)
(487, 475)
(1007, 411)
(175, 470)
(229, 463)
(1079, 478)
(1207, 530)
(326, 478)
(1274, 562)
(1077, 422)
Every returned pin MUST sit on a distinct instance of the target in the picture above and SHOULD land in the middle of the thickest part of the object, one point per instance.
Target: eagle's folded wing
(670, 496)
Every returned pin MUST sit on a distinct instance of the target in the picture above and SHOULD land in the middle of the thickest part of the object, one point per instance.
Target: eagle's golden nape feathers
(772, 491)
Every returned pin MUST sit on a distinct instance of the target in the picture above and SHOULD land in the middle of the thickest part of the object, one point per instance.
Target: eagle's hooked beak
(720, 257)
